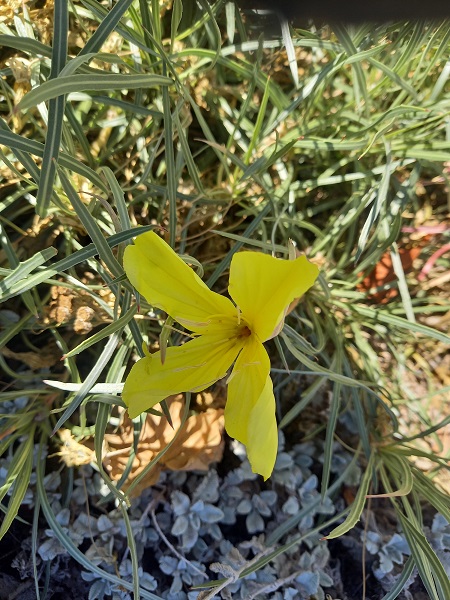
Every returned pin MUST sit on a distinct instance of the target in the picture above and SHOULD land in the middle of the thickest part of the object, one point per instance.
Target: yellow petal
(263, 287)
(167, 282)
(250, 409)
(262, 443)
(190, 367)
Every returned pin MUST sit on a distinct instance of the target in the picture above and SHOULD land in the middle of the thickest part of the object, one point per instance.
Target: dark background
(353, 10)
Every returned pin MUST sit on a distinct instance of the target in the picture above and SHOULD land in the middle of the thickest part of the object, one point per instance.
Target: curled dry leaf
(198, 444)
(72, 452)
(47, 357)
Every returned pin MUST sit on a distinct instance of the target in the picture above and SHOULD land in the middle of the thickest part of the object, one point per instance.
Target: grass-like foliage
(197, 119)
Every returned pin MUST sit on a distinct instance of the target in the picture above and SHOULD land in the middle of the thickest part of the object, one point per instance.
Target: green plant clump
(197, 120)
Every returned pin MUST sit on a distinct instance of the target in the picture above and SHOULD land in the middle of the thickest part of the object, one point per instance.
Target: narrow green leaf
(101, 422)
(164, 337)
(244, 69)
(126, 106)
(71, 261)
(14, 330)
(119, 200)
(34, 544)
(55, 109)
(106, 27)
(101, 13)
(230, 13)
(302, 344)
(82, 83)
(187, 154)
(212, 27)
(74, 64)
(359, 403)
(14, 263)
(290, 50)
(92, 227)
(88, 383)
(79, 135)
(420, 550)
(314, 367)
(329, 437)
(18, 463)
(267, 246)
(401, 581)
(307, 90)
(394, 77)
(98, 388)
(360, 85)
(380, 201)
(433, 428)
(18, 143)
(24, 44)
(258, 125)
(263, 163)
(21, 483)
(133, 552)
(24, 268)
(170, 165)
(431, 493)
(358, 504)
(401, 472)
(156, 20)
(307, 397)
(401, 282)
(379, 315)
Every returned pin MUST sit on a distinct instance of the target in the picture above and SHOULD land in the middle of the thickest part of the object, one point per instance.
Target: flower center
(243, 332)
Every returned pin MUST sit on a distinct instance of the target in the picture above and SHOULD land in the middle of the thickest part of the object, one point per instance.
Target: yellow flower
(262, 288)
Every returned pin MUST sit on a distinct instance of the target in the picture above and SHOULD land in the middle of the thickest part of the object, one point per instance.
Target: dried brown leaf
(198, 444)
(72, 452)
(46, 357)
(76, 308)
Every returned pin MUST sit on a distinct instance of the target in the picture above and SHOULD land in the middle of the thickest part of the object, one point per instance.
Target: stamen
(188, 323)
(188, 367)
